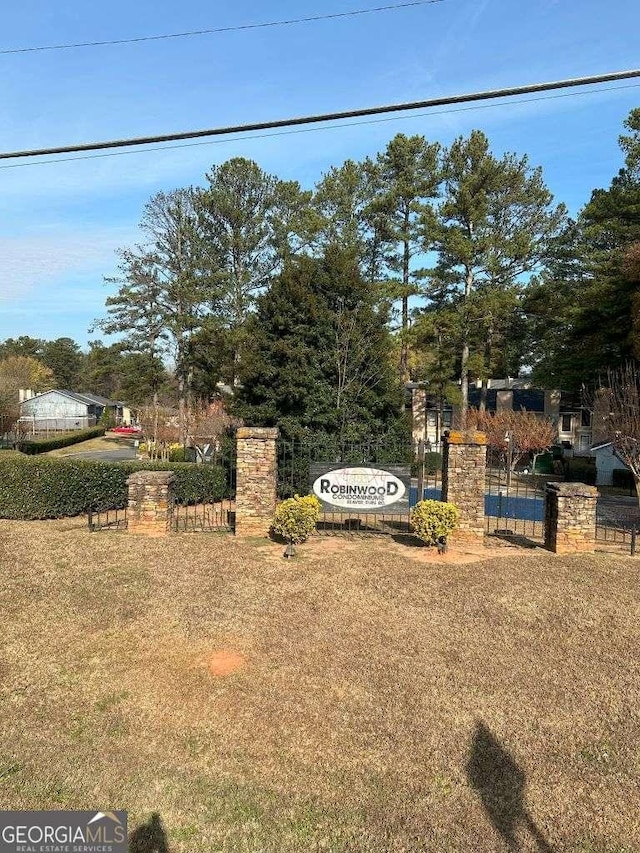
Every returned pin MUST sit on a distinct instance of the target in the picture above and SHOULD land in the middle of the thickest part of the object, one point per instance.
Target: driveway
(106, 455)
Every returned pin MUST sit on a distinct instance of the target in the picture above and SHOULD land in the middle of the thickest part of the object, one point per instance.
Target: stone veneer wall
(464, 466)
(150, 502)
(570, 518)
(257, 472)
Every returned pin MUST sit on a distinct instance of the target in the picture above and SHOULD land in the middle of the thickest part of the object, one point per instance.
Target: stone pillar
(257, 473)
(570, 518)
(150, 502)
(464, 468)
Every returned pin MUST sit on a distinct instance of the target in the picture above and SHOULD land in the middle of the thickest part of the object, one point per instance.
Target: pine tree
(317, 362)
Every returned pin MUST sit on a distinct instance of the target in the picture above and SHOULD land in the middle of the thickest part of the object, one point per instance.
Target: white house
(606, 463)
(64, 410)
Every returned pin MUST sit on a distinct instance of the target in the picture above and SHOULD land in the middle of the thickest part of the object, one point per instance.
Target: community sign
(362, 489)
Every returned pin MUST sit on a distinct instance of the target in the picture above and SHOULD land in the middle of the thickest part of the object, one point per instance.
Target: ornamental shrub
(433, 520)
(42, 445)
(296, 518)
(45, 487)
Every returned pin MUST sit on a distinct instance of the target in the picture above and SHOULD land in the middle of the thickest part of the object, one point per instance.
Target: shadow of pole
(149, 837)
(500, 783)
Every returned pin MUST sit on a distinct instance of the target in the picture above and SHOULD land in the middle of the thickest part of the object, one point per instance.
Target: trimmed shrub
(433, 520)
(32, 488)
(42, 445)
(296, 518)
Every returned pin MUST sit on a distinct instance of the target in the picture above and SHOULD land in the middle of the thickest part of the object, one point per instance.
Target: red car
(127, 430)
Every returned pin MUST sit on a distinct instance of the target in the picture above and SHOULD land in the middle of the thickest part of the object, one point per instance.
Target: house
(574, 421)
(65, 410)
(606, 463)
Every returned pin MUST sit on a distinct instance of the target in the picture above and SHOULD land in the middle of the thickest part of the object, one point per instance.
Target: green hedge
(43, 445)
(56, 488)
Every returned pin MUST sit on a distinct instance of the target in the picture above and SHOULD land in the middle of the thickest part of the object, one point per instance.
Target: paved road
(106, 455)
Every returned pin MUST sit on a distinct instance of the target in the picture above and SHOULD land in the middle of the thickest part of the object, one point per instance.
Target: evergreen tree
(584, 310)
(251, 223)
(318, 361)
(495, 225)
(65, 359)
(409, 177)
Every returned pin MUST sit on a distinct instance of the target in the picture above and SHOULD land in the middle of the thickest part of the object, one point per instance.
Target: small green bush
(432, 520)
(45, 487)
(42, 445)
(296, 518)
(107, 418)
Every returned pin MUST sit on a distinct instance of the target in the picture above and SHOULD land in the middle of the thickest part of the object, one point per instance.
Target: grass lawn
(110, 442)
(382, 703)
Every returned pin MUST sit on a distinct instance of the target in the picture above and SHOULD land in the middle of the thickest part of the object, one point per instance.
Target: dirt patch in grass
(387, 703)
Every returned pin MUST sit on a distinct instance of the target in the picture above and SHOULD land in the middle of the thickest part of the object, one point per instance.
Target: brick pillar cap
(262, 433)
(463, 437)
(573, 490)
(144, 478)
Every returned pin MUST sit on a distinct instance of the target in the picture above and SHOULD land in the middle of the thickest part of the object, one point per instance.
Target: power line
(336, 116)
(230, 29)
(315, 129)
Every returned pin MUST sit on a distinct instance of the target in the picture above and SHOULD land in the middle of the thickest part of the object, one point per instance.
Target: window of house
(446, 419)
(566, 423)
(585, 418)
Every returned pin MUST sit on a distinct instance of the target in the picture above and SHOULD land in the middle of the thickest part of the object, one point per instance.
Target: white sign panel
(360, 489)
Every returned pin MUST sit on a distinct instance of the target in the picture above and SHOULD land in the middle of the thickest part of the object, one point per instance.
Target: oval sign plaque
(359, 488)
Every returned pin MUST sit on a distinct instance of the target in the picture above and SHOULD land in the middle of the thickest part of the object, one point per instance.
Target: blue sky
(61, 223)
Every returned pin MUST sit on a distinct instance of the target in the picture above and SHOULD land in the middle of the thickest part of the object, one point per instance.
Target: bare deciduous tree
(207, 424)
(161, 428)
(516, 434)
(617, 415)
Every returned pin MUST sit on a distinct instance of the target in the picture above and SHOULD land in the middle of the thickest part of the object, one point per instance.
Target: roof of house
(85, 398)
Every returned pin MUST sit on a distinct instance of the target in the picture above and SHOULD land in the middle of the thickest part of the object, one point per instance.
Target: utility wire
(336, 116)
(314, 129)
(230, 29)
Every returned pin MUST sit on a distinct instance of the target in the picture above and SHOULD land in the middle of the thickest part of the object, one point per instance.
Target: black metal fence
(211, 516)
(204, 517)
(514, 502)
(189, 515)
(296, 458)
(103, 517)
(617, 524)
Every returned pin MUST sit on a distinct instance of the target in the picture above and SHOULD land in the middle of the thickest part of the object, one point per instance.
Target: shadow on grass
(516, 539)
(410, 540)
(149, 837)
(500, 783)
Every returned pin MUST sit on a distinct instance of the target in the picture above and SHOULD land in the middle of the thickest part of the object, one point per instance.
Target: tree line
(427, 263)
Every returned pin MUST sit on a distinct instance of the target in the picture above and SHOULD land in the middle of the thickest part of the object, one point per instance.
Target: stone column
(150, 502)
(570, 518)
(257, 472)
(464, 468)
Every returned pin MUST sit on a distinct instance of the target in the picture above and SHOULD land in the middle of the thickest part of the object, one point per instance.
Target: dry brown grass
(110, 442)
(384, 704)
